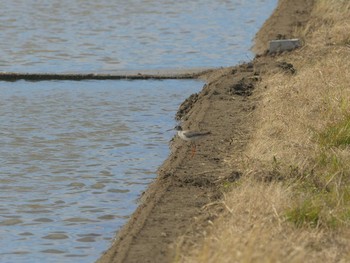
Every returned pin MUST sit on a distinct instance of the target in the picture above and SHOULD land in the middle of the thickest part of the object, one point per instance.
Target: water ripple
(107, 36)
(75, 156)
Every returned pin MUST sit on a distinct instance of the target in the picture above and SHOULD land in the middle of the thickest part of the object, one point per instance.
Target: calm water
(105, 35)
(73, 160)
(76, 155)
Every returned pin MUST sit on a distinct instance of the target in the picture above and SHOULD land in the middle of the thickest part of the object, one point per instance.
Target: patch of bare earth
(187, 195)
(176, 202)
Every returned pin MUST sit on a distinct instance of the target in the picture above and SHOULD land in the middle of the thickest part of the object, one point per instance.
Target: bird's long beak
(170, 129)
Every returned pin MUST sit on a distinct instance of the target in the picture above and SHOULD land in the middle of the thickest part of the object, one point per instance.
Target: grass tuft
(336, 134)
(307, 213)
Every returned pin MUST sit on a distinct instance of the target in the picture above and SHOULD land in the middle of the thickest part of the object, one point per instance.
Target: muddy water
(75, 156)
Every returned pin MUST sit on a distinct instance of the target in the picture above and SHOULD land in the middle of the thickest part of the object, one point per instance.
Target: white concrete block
(284, 45)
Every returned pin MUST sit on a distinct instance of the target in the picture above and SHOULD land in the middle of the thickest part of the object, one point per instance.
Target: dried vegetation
(293, 202)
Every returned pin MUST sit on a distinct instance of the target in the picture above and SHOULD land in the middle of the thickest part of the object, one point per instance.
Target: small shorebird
(190, 136)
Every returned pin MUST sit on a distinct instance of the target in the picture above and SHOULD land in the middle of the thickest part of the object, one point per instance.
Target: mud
(179, 74)
(178, 203)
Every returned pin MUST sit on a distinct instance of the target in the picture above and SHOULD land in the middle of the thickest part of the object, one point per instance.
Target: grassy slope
(293, 204)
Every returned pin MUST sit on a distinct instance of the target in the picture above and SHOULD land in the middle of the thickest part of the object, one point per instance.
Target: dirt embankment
(178, 202)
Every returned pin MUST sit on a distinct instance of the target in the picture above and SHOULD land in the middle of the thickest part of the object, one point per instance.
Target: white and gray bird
(190, 136)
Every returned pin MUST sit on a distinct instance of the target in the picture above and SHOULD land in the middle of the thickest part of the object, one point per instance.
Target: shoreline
(178, 202)
(122, 75)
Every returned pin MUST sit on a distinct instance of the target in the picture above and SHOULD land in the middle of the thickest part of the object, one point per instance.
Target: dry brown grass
(294, 108)
(330, 24)
(255, 231)
(302, 143)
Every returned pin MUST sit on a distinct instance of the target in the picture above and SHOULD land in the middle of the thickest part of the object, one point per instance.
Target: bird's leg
(193, 149)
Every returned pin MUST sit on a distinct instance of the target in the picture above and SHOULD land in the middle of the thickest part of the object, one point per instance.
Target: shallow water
(75, 156)
(107, 36)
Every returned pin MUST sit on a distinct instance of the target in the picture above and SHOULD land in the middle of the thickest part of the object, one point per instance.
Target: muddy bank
(178, 202)
(127, 75)
(284, 23)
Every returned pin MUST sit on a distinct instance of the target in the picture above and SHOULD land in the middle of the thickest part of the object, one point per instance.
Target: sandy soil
(178, 202)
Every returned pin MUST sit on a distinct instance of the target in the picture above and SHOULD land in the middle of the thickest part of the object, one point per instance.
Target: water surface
(74, 158)
(107, 36)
